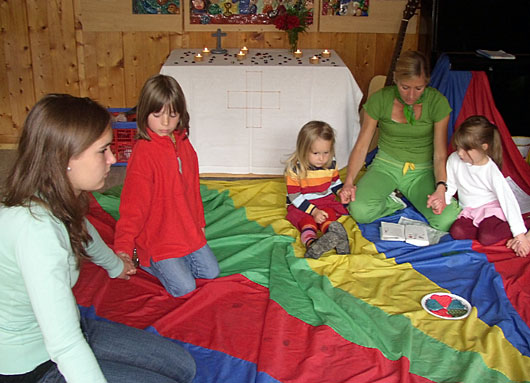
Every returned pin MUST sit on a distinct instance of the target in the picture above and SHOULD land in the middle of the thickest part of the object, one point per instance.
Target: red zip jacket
(161, 212)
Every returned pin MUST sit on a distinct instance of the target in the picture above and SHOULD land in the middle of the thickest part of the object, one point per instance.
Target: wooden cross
(218, 49)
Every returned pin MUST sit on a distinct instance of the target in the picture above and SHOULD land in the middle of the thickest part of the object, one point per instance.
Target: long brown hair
(475, 131)
(158, 91)
(57, 128)
(298, 161)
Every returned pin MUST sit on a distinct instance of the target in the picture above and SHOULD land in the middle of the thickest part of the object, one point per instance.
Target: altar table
(245, 115)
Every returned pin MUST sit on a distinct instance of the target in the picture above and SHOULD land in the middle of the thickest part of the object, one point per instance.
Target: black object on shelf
(460, 27)
(474, 61)
(510, 85)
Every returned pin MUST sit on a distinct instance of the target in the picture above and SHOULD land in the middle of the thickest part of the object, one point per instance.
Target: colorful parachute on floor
(274, 316)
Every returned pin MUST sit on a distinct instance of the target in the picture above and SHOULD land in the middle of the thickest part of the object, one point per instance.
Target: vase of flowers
(293, 20)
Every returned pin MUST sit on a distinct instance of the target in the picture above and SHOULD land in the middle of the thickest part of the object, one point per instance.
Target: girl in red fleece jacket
(161, 212)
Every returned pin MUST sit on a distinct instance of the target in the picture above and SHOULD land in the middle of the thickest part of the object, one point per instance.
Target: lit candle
(326, 54)
(314, 60)
(244, 50)
(241, 56)
(198, 57)
(205, 51)
(297, 53)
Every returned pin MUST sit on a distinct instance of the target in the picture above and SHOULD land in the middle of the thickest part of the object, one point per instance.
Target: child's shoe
(327, 242)
(343, 245)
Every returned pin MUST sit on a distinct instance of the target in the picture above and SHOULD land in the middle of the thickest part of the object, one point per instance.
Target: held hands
(320, 216)
(436, 202)
(128, 266)
(520, 245)
(347, 193)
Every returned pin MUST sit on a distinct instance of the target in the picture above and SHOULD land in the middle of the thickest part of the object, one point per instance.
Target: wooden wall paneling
(62, 36)
(201, 39)
(318, 40)
(110, 71)
(87, 56)
(53, 47)
(144, 53)
(277, 40)
(116, 15)
(18, 73)
(7, 130)
(363, 45)
(41, 55)
(251, 40)
(178, 40)
(384, 47)
(80, 50)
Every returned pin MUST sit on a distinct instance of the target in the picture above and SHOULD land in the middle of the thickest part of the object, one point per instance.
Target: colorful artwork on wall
(156, 7)
(239, 12)
(345, 7)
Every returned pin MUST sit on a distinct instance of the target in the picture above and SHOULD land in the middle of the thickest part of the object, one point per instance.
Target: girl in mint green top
(63, 153)
(412, 119)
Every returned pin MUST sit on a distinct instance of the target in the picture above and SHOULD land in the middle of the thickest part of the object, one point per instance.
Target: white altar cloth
(245, 115)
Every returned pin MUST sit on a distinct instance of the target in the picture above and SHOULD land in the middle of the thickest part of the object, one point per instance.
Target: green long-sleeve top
(39, 317)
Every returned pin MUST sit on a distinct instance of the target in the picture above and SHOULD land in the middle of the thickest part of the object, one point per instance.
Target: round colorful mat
(446, 306)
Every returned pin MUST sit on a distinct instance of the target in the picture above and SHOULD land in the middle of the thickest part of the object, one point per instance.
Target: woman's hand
(347, 193)
(520, 245)
(436, 203)
(128, 266)
(320, 216)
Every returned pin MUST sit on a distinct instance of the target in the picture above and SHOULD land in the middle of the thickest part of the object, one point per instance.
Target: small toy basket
(123, 138)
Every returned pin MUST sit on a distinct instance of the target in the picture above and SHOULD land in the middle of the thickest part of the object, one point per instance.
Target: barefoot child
(313, 181)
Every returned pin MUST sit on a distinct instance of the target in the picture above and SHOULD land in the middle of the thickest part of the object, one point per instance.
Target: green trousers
(383, 176)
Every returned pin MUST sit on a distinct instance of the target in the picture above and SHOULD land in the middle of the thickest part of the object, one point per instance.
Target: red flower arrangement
(293, 20)
(285, 22)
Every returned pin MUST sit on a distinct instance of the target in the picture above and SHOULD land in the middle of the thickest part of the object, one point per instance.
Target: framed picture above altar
(363, 16)
(242, 15)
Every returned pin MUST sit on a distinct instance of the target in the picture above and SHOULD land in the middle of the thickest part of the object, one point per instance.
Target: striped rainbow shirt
(318, 183)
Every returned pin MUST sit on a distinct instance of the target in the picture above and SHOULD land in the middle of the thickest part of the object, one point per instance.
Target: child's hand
(128, 266)
(320, 216)
(520, 245)
(345, 196)
(435, 203)
(347, 193)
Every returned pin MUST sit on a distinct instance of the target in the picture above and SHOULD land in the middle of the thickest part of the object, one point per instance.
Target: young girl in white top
(490, 211)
